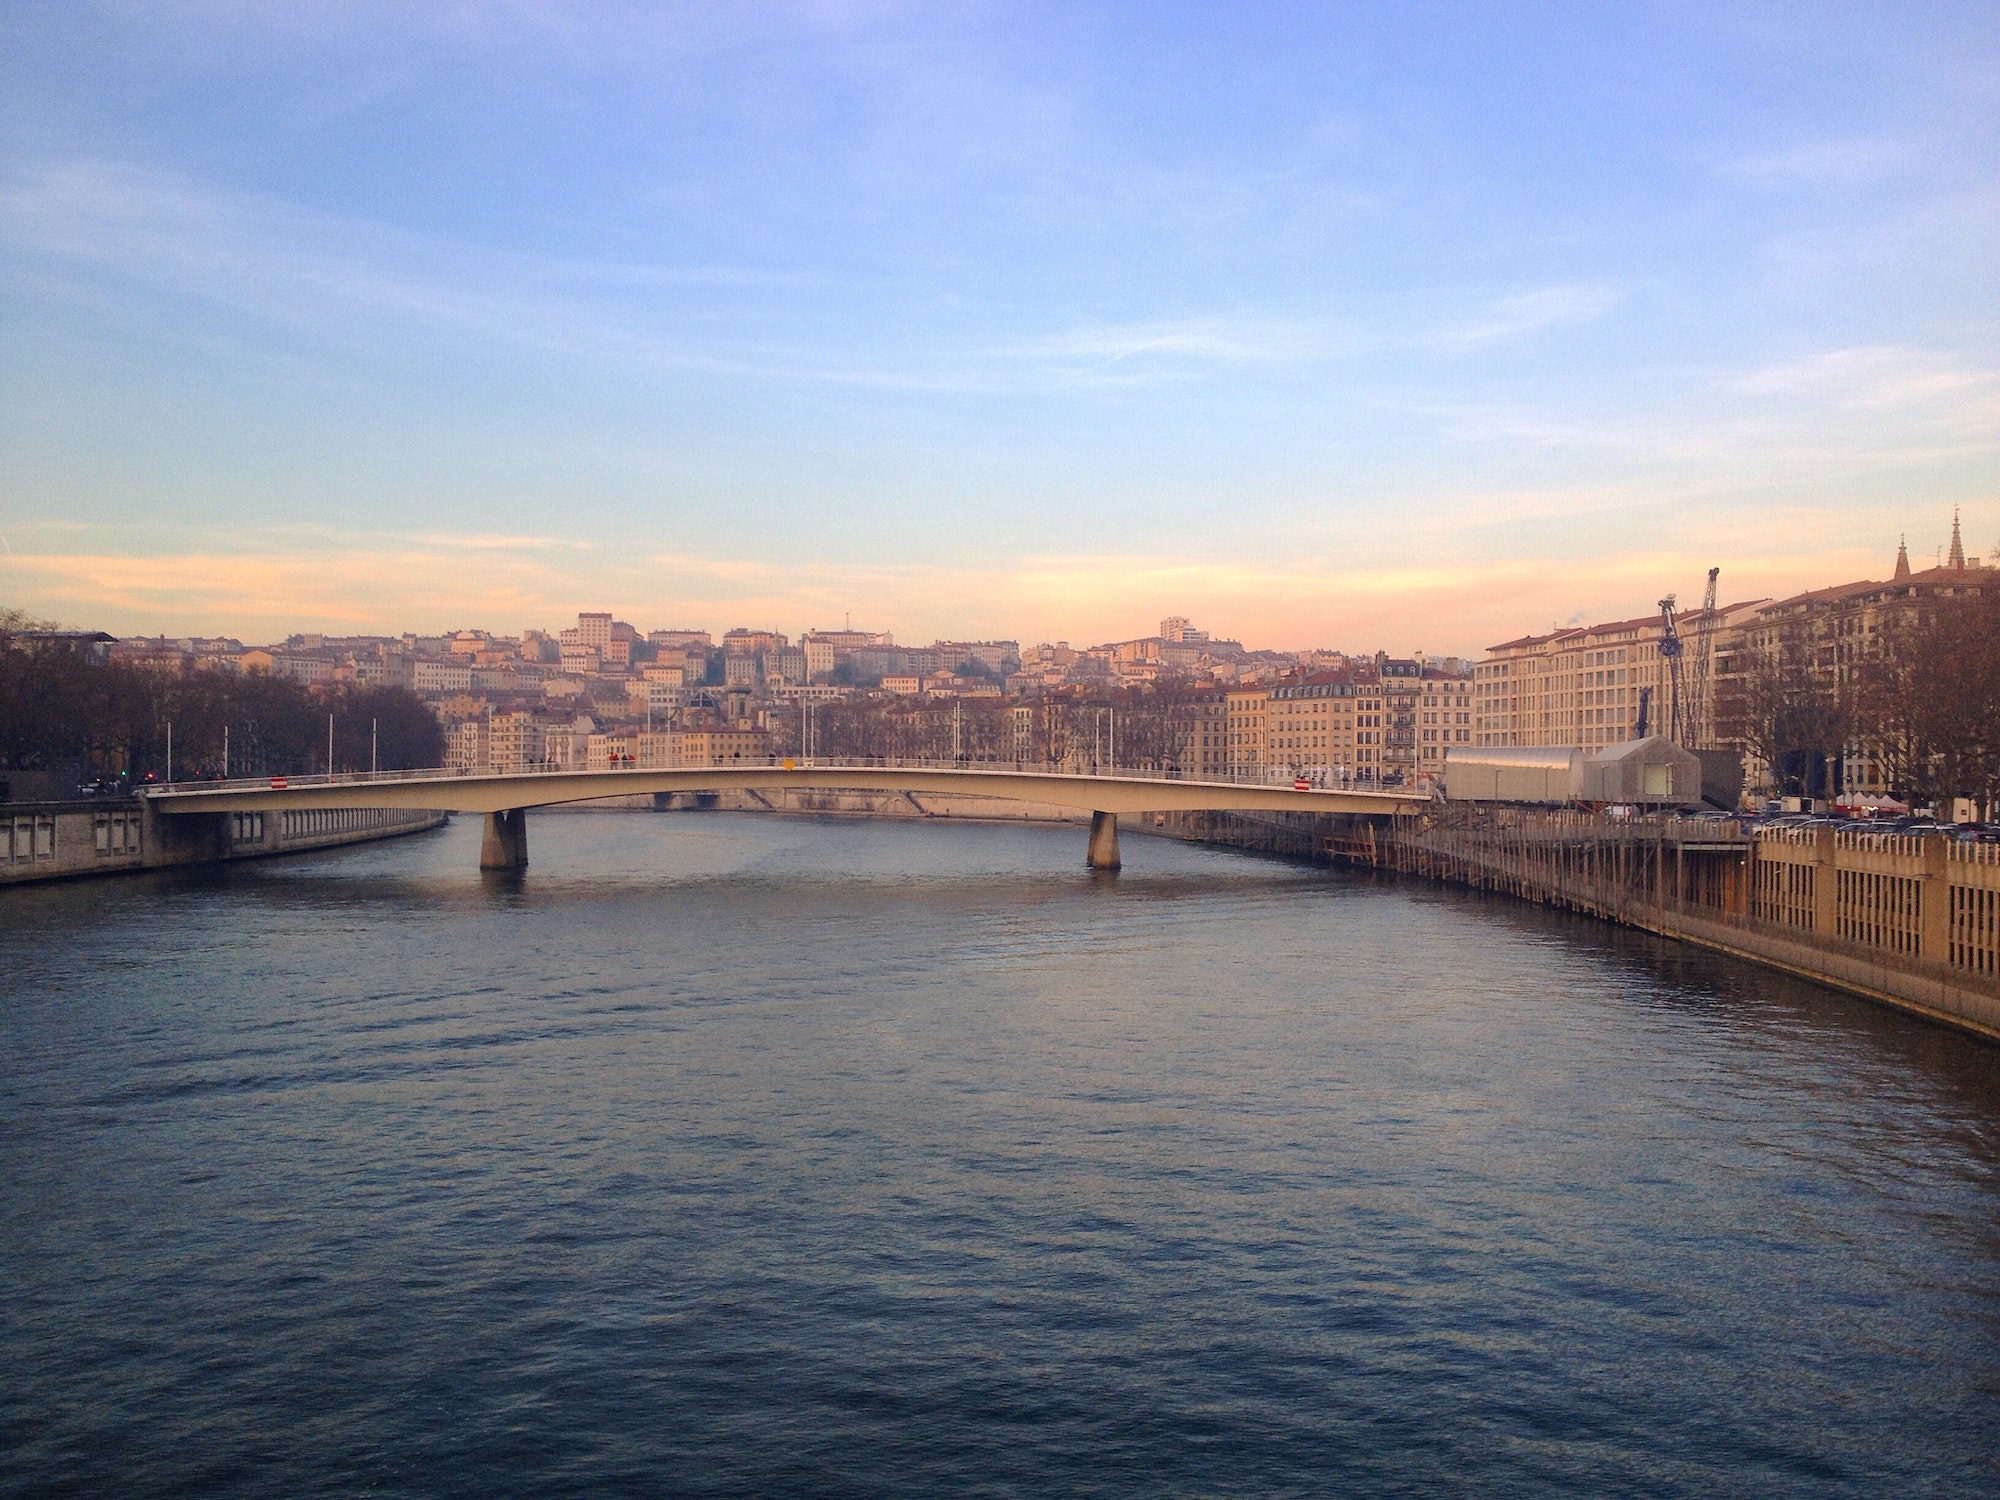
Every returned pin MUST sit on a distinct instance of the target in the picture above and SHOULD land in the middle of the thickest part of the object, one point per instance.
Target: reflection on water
(733, 1155)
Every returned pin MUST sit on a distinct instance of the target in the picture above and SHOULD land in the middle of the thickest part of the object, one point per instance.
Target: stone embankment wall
(1910, 922)
(109, 836)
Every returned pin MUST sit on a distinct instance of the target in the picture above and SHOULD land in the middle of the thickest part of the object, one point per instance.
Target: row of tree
(65, 711)
(1921, 700)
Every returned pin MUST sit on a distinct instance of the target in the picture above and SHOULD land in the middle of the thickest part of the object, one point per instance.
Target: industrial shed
(1654, 770)
(1474, 773)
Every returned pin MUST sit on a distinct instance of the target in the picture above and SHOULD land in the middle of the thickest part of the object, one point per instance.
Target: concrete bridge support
(505, 846)
(1103, 853)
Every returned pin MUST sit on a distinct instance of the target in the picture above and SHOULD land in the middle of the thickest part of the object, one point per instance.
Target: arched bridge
(505, 796)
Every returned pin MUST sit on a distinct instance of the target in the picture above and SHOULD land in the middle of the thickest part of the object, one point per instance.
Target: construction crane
(1701, 666)
(1670, 653)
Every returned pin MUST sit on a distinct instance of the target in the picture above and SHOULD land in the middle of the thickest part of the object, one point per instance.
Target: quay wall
(112, 836)
(1908, 922)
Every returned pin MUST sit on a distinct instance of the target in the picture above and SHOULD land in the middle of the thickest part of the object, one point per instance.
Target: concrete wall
(109, 836)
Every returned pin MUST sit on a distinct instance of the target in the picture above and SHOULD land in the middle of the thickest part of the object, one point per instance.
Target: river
(735, 1155)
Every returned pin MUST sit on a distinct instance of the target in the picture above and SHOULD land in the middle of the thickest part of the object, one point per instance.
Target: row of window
(118, 833)
(28, 839)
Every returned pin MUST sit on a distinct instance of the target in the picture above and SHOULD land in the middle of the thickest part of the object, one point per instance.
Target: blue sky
(1415, 327)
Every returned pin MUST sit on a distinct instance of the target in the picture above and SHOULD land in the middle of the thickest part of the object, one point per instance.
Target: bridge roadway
(505, 796)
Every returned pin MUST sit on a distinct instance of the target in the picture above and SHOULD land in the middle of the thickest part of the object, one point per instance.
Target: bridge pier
(505, 846)
(1103, 851)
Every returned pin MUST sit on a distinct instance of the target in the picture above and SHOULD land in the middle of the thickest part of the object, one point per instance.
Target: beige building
(1244, 712)
(298, 668)
(1844, 628)
(1329, 724)
(1421, 712)
(716, 745)
(1203, 749)
(514, 741)
(467, 746)
(1587, 685)
(1590, 686)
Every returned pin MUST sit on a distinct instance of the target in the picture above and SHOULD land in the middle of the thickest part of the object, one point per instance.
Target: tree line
(64, 710)
(1921, 700)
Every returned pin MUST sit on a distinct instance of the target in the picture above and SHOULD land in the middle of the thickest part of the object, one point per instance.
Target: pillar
(505, 846)
(1934, 901)
(1103, 853)
(1826, 883)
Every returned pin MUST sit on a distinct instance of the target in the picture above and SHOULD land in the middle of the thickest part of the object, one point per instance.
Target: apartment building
(384, 671)
(1841, 629)
(294, 666)
(998, 657)
(651, 696)
(1443, 710)
(514, 741)
(1245, 710)
(467, 746)
(1202, 749)
(435, 678)
(721, 745)
(1426, 709)
(1598, 685)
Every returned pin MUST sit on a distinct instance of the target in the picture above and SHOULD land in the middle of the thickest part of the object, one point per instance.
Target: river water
(727, 1155)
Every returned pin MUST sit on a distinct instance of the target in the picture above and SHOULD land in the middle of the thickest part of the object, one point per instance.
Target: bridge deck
(500, 792)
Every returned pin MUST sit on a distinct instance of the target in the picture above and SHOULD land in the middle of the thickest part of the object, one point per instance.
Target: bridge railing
(1322, 779)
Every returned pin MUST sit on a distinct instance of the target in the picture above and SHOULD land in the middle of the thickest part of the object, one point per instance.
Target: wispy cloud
(1218, 340)
(1531, 312)
(342, 280)
(1879, 376)
(346, 282)
(1847, 162)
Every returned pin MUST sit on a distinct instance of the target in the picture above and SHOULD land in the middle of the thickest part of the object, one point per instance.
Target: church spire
(1956, 557)
(1902, 557)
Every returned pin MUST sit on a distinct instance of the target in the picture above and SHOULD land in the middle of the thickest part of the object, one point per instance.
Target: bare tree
(1788, 705)
(1930, 700)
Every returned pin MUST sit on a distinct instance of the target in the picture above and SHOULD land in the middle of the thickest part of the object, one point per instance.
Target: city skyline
(662, 617)
(1414, 329)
